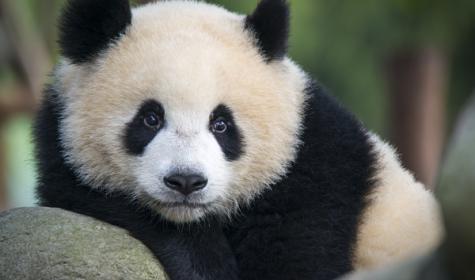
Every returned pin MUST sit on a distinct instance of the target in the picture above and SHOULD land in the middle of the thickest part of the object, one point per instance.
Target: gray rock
(457, 184)
(457, 195)
(47, 243)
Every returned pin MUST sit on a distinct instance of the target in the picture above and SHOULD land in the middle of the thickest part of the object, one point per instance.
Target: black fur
(305, 226)
(137, 135)
(194, 252)
(270, 25)
(87, 27)
(231, 142)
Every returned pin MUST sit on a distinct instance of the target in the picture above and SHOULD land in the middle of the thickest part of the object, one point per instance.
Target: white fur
(185, 144)
(403, 218)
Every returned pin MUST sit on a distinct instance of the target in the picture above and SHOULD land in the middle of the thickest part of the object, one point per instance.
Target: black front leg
(192, 252)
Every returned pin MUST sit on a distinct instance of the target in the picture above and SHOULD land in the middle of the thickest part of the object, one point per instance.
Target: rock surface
(46, 243)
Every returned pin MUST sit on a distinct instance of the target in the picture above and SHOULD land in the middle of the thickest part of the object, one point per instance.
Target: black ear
(270, 24)
(87, 27)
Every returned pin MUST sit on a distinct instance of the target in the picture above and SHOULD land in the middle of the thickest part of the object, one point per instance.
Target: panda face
(182, 112)
(183, 155)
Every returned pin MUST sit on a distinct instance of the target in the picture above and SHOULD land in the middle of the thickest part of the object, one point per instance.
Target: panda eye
(152, 120)
(219, 126)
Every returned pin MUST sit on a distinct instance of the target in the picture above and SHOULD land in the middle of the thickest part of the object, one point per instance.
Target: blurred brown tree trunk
(417, 84)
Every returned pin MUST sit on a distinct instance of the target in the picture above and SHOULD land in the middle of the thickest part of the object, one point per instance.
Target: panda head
(188, 108)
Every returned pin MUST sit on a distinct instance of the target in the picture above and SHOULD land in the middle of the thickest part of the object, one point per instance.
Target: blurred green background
(404, 67)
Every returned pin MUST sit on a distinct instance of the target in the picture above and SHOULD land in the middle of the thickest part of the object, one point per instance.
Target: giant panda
(190, 127)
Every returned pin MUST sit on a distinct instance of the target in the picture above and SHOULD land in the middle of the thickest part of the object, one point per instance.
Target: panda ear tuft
(87, 27)
(270, 25)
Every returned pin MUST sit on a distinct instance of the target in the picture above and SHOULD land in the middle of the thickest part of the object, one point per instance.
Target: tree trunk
(417, 82)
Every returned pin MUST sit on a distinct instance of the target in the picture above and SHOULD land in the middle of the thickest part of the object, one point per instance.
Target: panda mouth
(185, 204)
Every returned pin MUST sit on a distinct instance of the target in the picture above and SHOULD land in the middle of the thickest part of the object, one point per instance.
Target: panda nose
(185, 184)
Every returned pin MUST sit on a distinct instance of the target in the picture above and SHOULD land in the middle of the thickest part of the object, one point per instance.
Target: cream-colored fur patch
(189, 56)
(403, 218)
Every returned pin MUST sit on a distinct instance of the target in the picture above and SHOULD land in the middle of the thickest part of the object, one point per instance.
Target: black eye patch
(231, 141)
(137, 134)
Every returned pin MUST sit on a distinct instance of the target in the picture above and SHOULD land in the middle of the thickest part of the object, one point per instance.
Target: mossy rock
(47, 243)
